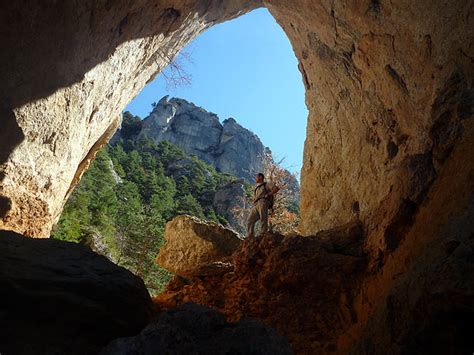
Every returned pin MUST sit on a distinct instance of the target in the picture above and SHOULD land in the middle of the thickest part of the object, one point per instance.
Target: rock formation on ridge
(229, 147)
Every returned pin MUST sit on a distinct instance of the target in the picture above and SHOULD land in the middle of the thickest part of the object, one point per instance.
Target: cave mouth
(243, 68)
(172, 157)
(388, 142)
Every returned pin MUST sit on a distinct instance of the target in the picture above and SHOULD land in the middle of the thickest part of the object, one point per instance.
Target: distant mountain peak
(228, 146)
(230, 120)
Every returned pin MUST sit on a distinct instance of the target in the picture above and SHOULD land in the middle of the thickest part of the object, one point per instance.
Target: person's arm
(273, 191)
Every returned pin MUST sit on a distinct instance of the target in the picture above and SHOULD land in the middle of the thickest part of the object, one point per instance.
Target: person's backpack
(271, 199)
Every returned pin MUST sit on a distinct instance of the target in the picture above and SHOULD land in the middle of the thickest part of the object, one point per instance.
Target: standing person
(262, 200)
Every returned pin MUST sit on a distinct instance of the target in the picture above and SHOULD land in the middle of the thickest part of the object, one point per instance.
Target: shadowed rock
(196, 329)
(62, 298)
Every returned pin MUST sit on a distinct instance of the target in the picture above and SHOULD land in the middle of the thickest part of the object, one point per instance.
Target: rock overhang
(365, 92)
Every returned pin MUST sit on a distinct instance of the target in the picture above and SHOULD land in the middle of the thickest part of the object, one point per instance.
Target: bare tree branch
(175, 73)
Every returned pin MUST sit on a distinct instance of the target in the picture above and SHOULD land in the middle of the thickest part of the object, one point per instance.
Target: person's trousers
(258, 212)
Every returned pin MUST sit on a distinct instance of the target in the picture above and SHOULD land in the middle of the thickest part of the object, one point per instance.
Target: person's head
(259, 178)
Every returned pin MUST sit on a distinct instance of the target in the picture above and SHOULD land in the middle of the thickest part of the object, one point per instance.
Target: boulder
(196, 329)
(192, 244)
(62, 298)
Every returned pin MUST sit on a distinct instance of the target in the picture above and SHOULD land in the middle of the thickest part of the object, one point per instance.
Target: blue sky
(246, 69)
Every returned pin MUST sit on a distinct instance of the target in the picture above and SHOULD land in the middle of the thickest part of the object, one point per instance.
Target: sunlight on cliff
(172, 156)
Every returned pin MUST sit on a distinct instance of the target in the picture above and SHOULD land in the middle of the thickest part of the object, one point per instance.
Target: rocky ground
(196, 329)
(317, 290)
(62, 298)
(304, 287)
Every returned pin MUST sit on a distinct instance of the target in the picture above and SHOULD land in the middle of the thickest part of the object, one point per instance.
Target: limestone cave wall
(388, 87)
(68, 70)
(389, 90)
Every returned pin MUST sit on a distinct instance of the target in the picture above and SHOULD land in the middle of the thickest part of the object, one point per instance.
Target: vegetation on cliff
(128, 194)
(134, 186)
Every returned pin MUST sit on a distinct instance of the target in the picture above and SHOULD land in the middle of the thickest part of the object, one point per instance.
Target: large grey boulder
(62, 298)
(194, 246)
(197, 329)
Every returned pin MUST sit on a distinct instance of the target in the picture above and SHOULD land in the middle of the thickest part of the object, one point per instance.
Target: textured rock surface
(387, 85)
(389, 88)
(229, 147)
(192, 244)
(418, 295)
(71, 69)
(413, 298)
(200, 330)
(301, 286)
(62, 298)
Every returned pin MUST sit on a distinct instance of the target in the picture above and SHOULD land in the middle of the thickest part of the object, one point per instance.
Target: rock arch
(388, 94)
(389, 88)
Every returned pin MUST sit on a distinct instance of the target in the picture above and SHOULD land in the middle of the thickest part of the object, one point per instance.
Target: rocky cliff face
(229, 147)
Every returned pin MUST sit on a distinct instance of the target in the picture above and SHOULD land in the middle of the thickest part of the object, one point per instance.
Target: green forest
(133, 187)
